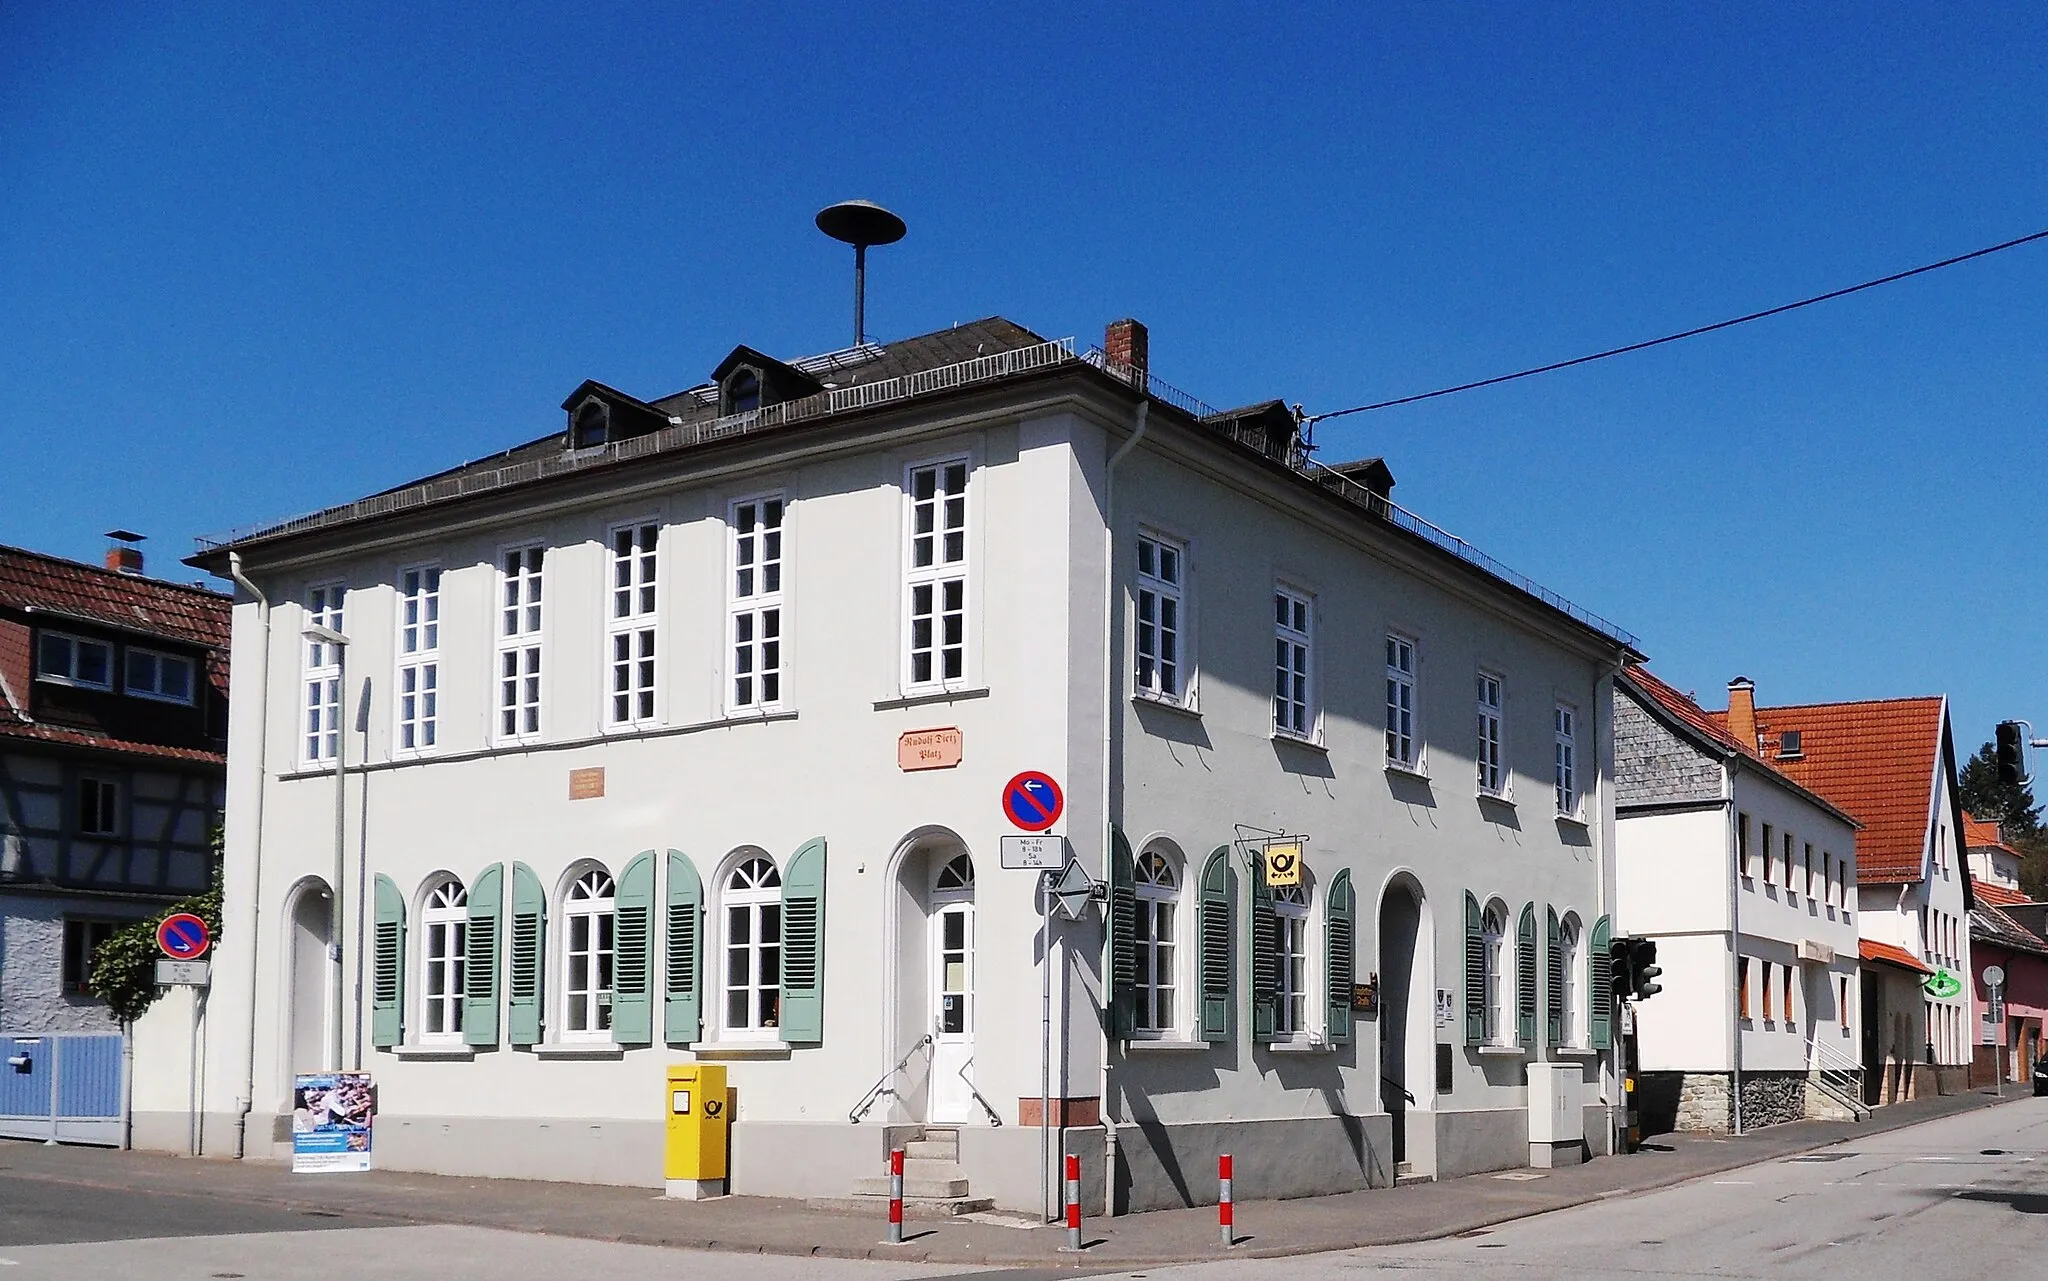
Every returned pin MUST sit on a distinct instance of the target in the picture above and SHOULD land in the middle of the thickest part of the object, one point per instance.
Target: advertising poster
(331, 1117)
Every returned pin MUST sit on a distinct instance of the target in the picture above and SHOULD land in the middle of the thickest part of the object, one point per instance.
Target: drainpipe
(262, 687)
(1735, 938)
(1110, 657)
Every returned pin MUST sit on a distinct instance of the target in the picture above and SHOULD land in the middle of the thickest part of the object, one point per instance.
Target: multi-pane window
(445, 921)
(99, 807)
(520, 580)
(74, 660)
(1499, 1028)
(1401, 702)
(82, 937)
(1491, 780)
(1770, 852)
(1842, 1003)
(1742, 986)
(1789, 844)
(1160, 574)
(322, 703)
(936, 581)
(1770, 1006)
(1293, 641)
(1158, 894)
(419, 658)
(753, 949)
(756, 604)
(630, 622)
(1290, 912)
(1565, 722)
(1808, 867)
(148, 673)
(1572, 1018)
(1791, 1012)
(587, 958)
(1742, 848)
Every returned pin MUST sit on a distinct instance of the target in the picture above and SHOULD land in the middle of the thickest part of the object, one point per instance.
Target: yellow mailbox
(698, 1107)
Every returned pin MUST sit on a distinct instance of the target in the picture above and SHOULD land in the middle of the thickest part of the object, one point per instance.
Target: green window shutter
(1215, 928)
(1553, 970)
(683, 1015)
(480, 958)
(1525, 977)
(1123, 938)
(1600, 986)
(803, 945)
(1265, 957)
(633, 952)
(1475, 972)
(526, 978)
(387, 979)
(1339, 938)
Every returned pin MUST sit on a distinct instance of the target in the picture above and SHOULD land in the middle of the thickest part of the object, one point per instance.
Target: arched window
(1499, 1027)
(953, 945)
(444, 922)
(753, 948)
(1291, 1005)
(591, 421)
(1158, 893)
(957, 876)
(587, 958)
(742, 392)
(1572, 942)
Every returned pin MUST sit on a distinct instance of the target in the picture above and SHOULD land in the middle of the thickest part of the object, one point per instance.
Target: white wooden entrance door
(952, 993)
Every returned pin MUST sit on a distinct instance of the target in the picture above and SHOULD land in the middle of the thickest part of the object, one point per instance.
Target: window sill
(925, 698)
(1302, 741)
(1163, 1045)
(1576, 1052)
(436, 1053)
(1415, 772)
(739, 1051)
(1575, 820)
(1495, 798)
(1300, 1047)
(574, 1050)
(1503, 1052)
(1167, 705)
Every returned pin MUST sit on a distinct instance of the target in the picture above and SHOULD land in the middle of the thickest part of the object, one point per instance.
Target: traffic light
(1619, 955)
(1643, 969)
(2012, 764)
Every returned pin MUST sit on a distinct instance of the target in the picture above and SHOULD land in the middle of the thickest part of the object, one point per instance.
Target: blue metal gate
(66, 1088)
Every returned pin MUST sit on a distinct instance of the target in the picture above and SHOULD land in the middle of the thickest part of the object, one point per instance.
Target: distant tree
(2010, 805)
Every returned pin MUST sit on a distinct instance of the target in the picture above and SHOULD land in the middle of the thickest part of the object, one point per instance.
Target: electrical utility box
(1557, 1115)
(699, 1126)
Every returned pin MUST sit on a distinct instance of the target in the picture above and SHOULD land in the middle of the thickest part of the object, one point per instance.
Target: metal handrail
(881, 1085)
(994, 1121)
(1387, 1080)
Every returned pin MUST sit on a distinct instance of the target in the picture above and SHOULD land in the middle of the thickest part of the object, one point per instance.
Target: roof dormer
(601, 415)
(748, 380)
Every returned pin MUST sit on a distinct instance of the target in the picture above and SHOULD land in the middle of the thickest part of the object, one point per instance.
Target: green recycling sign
(1941, 984)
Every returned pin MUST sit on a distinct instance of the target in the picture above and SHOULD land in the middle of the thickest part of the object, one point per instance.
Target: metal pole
(362, 873)
(860, 294)
(192, 1086)
(340, 853)
(895, 1236)
(1226, 1219)
(1045, 1174)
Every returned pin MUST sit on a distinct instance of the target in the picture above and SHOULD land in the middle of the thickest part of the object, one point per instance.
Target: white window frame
(757, 612)
(159, 662)
(1574, 1027)
(1499, 976)
(945, 579)
(69, 676)
(1493, 776)
(1570, 797)
(416, 683)
(1160, 936)
(1295, 1008)
(759, 901)
(1160, 667)
(106, 802)
(320, 682)
(1403, 725)
(444, 955)
(589, 900)
(632, 612)
(1294, 711)
(520, 651)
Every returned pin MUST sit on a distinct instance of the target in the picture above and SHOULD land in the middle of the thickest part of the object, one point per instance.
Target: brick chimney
(1127, 342)
(1742, 711)
(123, 556)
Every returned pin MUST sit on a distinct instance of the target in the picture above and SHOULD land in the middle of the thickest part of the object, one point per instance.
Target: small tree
(2012, 807)
(124, 967)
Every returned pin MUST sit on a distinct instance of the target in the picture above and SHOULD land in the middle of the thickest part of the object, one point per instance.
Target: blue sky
(257, 259)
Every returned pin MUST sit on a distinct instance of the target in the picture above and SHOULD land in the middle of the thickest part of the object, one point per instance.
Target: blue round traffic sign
(183, 936)
(1033, 801)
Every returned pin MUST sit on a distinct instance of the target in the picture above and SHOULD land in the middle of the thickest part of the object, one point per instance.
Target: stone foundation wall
(1772, 1098)
(1690, 1102)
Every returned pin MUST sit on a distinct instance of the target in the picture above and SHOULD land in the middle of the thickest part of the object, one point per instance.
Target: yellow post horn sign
(1283, 865)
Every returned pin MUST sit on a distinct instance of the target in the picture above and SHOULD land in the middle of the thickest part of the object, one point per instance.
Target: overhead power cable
(1689, 333)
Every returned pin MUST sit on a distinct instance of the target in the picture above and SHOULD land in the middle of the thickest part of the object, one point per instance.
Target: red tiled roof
(1989, 925)
(1875, 759)
(1980, 832)
(1886, 954)
(1709, 725)
(1997, 895)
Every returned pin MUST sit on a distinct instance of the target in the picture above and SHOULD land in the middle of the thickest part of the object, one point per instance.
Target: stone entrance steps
(934, 1183)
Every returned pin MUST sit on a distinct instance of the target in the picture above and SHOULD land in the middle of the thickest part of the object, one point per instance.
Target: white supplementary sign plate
(1034, 853)
(171, 973)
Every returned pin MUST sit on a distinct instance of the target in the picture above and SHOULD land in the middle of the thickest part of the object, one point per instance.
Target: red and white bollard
(895, 1236)
(1073, 1203)
(1225, 1218)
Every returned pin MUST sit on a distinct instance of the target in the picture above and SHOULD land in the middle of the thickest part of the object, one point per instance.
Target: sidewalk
(761, 1225)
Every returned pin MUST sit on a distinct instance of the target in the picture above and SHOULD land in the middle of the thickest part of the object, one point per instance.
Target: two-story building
(686, 733)
(1747, 881)
(2009, 1031)
(1891, 763)
(113, 723)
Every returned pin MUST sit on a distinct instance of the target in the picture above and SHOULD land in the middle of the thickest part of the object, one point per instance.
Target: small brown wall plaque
(586, 784)
(929, 749)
